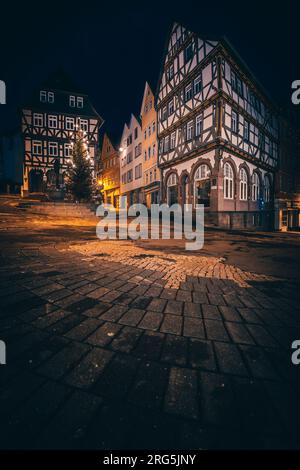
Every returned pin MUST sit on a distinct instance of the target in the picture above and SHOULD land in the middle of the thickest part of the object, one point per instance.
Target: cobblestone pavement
(111, 345)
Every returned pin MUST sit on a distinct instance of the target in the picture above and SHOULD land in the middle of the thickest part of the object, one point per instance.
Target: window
(170, 72)
(188, 52)
(53, 149)
(246, 131)
(149, 131)
(138, 171)
(37, 147)
(136, 133)
(234, 122)
(129, 176)
(188, 92)
(138, 150)
(43, 96)
(173, 138)
(261, 141)
(84, 125)
(52, 122)
(68, 150)
(145, 134)
(164, 113)
(38, 120)
(129, 140)
(145, 155)
(153, 126)
(70, 124)
(129, 157)
(79, 102)
(236, 84)
(150, 176)
(197, 84)
(199, 125)
(255, 101)
(149, 152)
(189, 130)
(228, 181)
(166, 144)
(267, 189)
(150, 104)
(255, 187)
(50, 97)
(243, 185)
(153, 149)
(72, 101)
(171, 107)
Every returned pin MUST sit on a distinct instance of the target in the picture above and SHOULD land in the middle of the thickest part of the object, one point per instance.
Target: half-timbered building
(49, 120)
(131, 162)
(149, 148)
(109, 174)
(217, 132)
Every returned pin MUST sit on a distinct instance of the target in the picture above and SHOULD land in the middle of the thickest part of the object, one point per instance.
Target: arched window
(172, 189)
(202, 185)
(228, 181)
(243, 185)
(255, 187)
(267, 188)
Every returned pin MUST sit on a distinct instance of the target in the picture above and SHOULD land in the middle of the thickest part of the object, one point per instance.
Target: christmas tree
(79, 175)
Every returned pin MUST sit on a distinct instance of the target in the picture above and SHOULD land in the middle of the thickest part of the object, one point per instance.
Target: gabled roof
(147, 87)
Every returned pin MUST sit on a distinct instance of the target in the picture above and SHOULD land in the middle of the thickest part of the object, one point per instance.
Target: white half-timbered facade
(49, 120)
(217, 132)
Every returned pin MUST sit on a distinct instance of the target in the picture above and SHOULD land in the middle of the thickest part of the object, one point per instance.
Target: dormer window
(46, 96)
(72, 101)
(79, 102)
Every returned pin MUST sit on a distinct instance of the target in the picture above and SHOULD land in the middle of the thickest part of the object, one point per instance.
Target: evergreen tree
(79, 176)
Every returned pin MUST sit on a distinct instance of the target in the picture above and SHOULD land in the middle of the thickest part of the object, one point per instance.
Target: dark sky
(110, 48)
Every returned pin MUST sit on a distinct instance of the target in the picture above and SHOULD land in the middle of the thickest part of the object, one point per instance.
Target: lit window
(84, 125)
(68, 150)
(228, 181)
(37, 147)
(243, 185)
(72, 101)
(70, 124)
(52, 122)
(38, 120)
(53, 149)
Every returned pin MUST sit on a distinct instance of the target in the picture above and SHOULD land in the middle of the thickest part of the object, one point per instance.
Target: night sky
(110, 49)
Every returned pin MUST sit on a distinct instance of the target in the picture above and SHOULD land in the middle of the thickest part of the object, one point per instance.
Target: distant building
(149, 148)
(49, 118)
(217, 132)
(11, 162)
(287, 179)
(131, 162)
(109, 174)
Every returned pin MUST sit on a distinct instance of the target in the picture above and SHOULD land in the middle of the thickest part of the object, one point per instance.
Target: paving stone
(157, 305)
(229, 359)
(201, 354)
(193, 327)
(261, 336)
(69, 425)
(111, 296)
(174, 306)
(182, 393)
(150, 345)
(114, 313)
(249, 315)
(215, 330)
(171, 324)
(66, 302)
(218, 406)
(98, 309)
(104, 334)
(184, 295)
(151, 321)
(97, 293)
(239, 333)
(175, 350)
(117, 376)
(65, 324)
(192, 310)
(230, 314)
(84, 329)
(85, 374)
(126, 340)
(125, 299)
(232, 300)
(132, 317)
(154, 291)
(211, 312)
(58, 295)
(149, 385)
(50, 319)
(140, 302)
(168, 294)
(87, 288)
(59, 364)
(199, 297)
(215, 299)
(258, 363)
